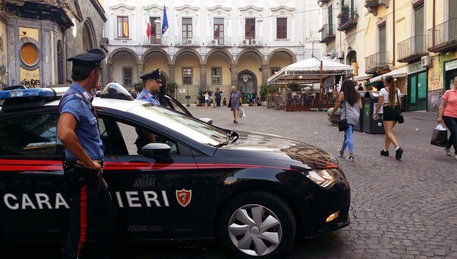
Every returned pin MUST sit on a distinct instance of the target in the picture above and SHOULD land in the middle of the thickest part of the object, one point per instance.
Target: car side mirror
(156, 150)
(207, 120)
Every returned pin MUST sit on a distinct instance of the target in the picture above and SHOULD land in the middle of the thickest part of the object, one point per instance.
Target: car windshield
(183, 124)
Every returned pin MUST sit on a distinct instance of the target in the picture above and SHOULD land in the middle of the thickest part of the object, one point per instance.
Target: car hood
(277, 147)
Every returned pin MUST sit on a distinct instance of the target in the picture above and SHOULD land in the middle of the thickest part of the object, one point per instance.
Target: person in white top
(391, 103)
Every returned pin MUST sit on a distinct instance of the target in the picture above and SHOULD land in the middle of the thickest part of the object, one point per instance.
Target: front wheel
(257, 224)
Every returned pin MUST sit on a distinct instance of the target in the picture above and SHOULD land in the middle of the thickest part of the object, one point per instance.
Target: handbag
(343, 124)
(439, 136)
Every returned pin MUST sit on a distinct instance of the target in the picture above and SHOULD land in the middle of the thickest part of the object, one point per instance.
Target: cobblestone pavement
(399, 209)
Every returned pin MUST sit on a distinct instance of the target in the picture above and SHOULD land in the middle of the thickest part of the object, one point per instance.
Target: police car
(254, 193)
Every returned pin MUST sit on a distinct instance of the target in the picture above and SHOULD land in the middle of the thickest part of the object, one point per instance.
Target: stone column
(265, 73)
(203, 85)
(234, 74)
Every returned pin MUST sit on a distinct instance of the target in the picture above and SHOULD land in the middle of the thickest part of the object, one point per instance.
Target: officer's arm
(66, 133)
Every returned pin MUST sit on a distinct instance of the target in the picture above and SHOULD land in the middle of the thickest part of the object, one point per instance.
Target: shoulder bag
(343, 123)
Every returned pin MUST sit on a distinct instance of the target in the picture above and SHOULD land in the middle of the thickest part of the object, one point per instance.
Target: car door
(157, 197)
(31, 177)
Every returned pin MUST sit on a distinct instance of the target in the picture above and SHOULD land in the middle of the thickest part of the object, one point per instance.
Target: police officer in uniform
(152, 83)
(77, 129)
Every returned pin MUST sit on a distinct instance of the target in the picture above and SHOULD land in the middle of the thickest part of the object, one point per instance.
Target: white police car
(254, 193)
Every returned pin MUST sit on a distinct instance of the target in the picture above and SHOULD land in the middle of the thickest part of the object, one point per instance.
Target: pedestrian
(133, 93)
(206, 95)
(391, 103)
(91, 206)
(235, 103)
(447, 112)
(350, 102)
(151, 87)
(217, 95)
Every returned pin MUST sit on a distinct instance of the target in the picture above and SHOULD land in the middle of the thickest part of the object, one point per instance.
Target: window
(122, 27)
(153, 33)
(216, 75)
(250, 28)
(30, 136)
(187, 76)
(29, 54)
(281, 28)
(274, 70)
(219, 30)
(382, 44)
(127, 76)
(186, 29)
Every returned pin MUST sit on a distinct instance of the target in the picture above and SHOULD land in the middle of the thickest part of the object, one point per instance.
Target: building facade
(414, 41)
(36, 38)
(208, 44)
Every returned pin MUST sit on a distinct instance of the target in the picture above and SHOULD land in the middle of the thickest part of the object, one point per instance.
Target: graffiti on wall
(434, 100)
(30, 78)
(3, 65)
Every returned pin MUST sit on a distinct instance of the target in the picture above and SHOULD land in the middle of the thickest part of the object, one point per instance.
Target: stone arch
(89, 40)
(191, 51)
(282, 51)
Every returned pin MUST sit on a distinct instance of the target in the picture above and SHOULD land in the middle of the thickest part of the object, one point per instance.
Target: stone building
(208, 44)
(38, 36)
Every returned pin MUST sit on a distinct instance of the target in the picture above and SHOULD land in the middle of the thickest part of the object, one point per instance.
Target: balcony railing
(443, 37)
(327, 33)
(375, 62)
(220, 42)
(412, 49)
(348, 19)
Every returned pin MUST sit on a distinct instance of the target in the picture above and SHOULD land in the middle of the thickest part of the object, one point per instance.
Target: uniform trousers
(92, 212)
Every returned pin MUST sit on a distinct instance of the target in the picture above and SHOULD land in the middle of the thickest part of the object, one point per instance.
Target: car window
(120, 138)
(182, 124)
(29, 136)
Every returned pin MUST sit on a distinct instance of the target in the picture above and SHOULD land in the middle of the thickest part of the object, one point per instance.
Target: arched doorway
(247, 83)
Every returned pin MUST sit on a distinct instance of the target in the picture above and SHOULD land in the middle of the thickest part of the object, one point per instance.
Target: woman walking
(235, 103)
(351, 103)
(391, 103)
(448, 113)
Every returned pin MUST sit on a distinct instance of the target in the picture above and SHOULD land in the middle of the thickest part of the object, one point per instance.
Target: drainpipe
(393, 27)
(433, 22)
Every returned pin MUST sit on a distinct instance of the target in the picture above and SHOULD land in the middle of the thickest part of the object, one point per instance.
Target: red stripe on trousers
(82, 218)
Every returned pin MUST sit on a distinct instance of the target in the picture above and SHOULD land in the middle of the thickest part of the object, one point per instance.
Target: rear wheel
(257, 224)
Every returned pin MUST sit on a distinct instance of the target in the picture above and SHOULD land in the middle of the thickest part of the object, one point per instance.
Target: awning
(362, 77)
(401, 72)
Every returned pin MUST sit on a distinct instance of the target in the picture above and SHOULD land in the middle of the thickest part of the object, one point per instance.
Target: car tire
(257, 225)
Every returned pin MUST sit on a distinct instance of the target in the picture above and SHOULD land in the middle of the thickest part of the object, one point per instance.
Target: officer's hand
(94, 165)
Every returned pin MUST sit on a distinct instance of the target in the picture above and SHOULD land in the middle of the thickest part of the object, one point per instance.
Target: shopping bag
(241, 113)
(439, 136)
(343, 125)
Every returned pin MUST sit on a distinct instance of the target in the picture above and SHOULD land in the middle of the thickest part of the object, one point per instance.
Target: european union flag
(165, 20)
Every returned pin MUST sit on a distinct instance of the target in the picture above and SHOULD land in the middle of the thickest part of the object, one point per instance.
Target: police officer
(77, 129)
(152, 83)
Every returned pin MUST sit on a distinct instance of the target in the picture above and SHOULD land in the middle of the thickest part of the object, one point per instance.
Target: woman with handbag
(235, 103)
(391, 103)
(447, 112)
(349, 100)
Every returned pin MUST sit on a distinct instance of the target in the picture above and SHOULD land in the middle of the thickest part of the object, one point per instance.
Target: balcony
(443, 37)
(155, 40)
(372, 5)
(348, 19)
(327, 33)
(412, 49)
(376, 62)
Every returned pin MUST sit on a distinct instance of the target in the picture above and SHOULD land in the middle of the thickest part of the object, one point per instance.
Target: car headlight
(325, 177)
